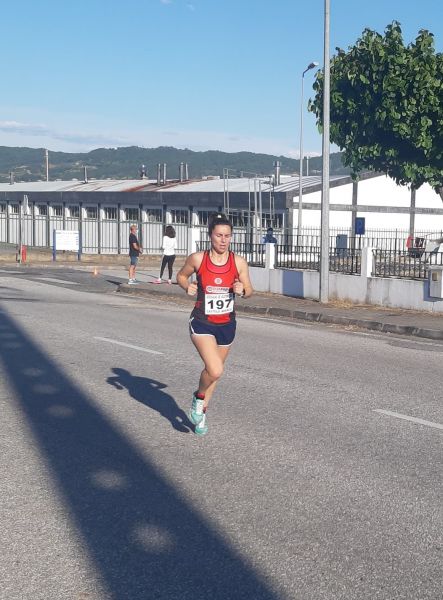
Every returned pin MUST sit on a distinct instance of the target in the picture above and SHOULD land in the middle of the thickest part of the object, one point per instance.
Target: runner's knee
(215, 371)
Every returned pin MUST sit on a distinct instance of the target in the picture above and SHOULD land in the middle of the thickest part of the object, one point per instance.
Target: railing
(405, 264)
(399, 234)
(343, 240)
(253, 253)
(308, 257)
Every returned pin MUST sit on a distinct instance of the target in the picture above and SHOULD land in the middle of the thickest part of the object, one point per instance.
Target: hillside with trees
(28, 164)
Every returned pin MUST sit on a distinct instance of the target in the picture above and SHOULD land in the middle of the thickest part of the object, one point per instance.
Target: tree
(387, 106)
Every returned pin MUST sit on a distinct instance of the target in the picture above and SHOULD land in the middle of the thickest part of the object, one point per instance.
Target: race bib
(218, 301)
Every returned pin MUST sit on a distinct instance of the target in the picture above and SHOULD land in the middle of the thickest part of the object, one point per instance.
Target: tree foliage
(387, 106)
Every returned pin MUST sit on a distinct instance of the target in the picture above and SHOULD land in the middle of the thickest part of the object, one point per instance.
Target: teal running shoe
(196, 412)
(202, 427)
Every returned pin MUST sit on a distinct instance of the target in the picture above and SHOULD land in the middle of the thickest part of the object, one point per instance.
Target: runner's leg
(214, 357)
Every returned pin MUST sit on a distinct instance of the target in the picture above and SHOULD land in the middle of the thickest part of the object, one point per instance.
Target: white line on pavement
(390, 413)
(55, 280)
(103, 339)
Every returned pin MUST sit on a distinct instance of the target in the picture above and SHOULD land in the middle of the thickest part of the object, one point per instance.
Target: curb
(301, 315)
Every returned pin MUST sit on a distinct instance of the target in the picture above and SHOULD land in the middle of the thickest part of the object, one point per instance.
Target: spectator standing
(134, 252)
(169, 246)
(269, 238)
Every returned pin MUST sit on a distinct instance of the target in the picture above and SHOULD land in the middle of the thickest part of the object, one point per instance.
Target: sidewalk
(387, 320)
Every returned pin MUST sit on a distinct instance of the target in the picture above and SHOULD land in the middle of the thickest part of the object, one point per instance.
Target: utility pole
(324, 246)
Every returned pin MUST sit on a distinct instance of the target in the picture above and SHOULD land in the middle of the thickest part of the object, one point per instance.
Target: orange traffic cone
(95, 272)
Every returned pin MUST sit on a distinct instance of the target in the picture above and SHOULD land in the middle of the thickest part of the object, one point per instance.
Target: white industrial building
(103, 209)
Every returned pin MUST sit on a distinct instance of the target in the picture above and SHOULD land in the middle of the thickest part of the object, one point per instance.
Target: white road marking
(54, 279)
(405, 339)
(390, 413)
(103, 339)
(271, 320)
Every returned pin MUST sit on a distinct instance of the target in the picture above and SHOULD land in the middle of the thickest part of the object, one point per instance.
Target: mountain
(28, 164)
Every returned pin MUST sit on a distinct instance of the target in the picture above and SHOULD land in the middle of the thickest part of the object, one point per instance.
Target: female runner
(221, 276)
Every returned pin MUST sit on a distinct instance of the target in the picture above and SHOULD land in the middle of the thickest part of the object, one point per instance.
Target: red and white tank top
(215, 294)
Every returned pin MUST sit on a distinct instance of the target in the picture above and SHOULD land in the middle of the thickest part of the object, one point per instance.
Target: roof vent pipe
(47, 164)
(182, 171)
(159, 174)
(186, 172)
(164, 173)
(85, 178)
(277, 165)
(11, 177)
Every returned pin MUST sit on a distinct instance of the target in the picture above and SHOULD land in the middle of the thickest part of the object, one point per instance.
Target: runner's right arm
(189, 268)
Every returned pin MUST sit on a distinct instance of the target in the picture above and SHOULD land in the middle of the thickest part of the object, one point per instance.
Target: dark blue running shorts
(224, 334)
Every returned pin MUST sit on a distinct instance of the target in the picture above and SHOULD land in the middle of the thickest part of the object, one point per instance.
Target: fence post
(99, 228)
(270, 256)
(119, 229)
(48, 227)
(367, 262)
(193, 238)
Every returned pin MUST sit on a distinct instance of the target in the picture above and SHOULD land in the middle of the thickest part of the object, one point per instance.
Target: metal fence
(308, 257)
(253, 253)
(97, 236)
(107, 236)
(400, 234)
(343, 240)
(404, 264)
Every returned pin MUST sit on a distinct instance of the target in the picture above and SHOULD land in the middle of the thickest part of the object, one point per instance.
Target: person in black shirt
(134, 252)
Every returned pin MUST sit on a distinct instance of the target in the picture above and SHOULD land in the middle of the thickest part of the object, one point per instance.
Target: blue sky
(202, 74)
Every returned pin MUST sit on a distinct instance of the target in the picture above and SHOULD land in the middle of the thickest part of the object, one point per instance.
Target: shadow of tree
(150, 393)
(144, 537)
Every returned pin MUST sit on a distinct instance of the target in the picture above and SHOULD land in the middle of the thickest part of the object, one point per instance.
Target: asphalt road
(302, 488)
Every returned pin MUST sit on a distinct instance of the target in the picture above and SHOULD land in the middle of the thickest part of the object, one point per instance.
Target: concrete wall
(394, 293)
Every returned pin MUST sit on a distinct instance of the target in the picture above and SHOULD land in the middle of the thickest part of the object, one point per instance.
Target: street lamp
(311, 65)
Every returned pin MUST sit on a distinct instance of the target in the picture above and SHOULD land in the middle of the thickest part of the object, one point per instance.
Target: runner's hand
(238, 287)
(192, 289)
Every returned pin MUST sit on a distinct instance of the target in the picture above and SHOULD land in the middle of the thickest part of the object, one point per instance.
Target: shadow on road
(150, 392)
(145, 539)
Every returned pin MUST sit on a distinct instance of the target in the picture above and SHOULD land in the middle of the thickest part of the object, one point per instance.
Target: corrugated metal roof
(93, 185)
(244, 184)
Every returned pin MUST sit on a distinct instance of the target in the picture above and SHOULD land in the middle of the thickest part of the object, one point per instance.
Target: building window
(91, 212)
(275, 220)
(179, 215)
(2, 208)
(131, 214)
(74, 212)
(15, 209)
(239, 219)
(42, 210)
(110, 213)
(154, 215)
(203, 217)
(57, 210)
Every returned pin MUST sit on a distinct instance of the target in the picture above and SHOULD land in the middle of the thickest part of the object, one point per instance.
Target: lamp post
(311, 65)
(324, 245)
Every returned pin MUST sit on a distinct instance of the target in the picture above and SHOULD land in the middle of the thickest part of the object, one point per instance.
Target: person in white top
(169, 245)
